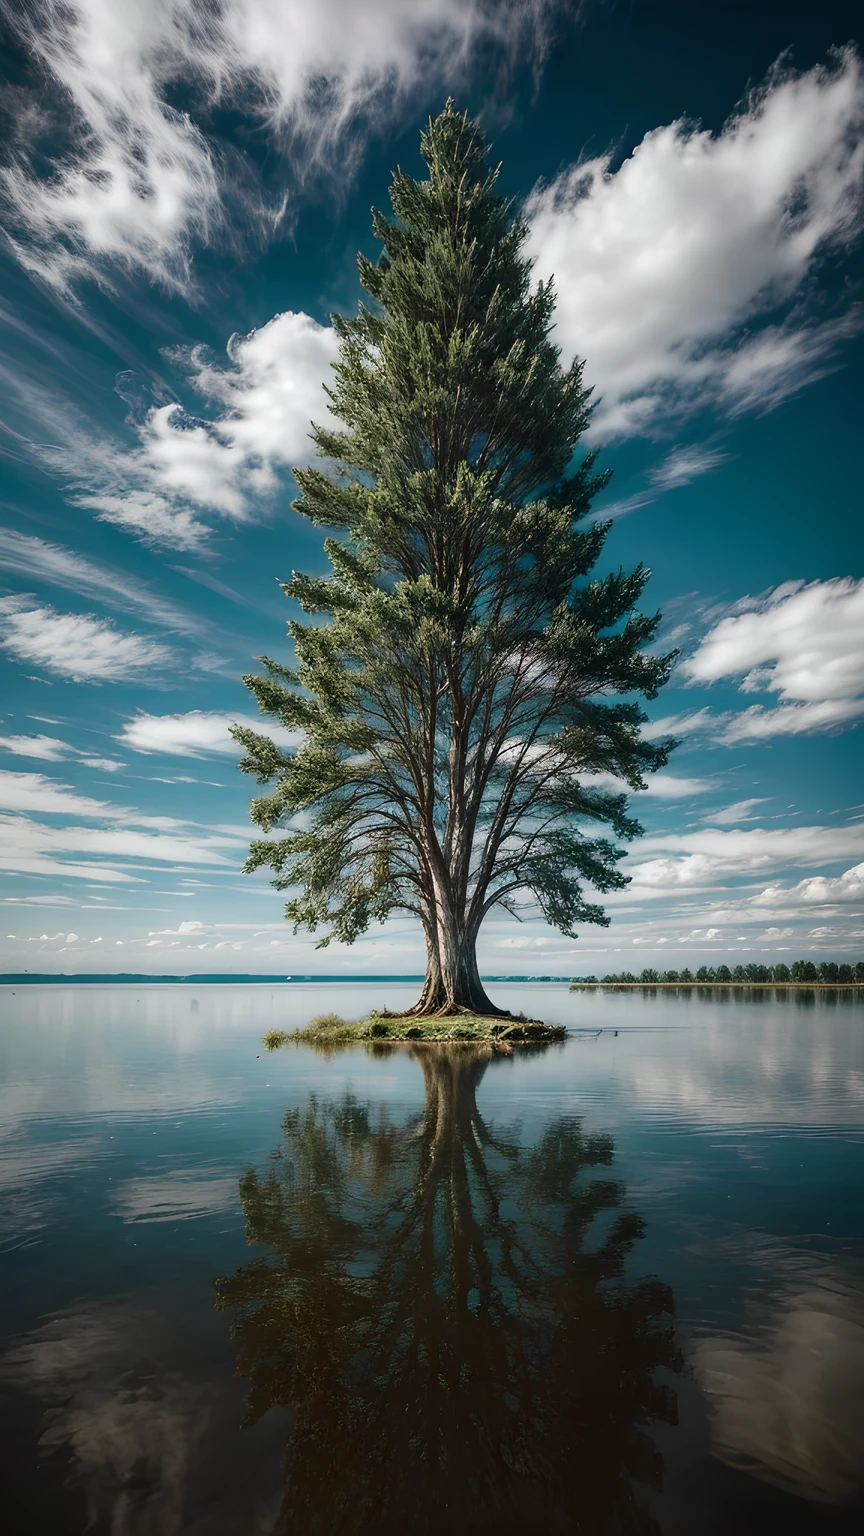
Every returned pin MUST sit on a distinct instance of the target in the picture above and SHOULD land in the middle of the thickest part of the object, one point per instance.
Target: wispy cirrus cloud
(36, 792)
(197, 733)
(47, 749)
(76, 646)
(35, 558)
(119, 845)
(140, 183)
(706, 856)
(684, 465)
(693, 723)
(681, 275)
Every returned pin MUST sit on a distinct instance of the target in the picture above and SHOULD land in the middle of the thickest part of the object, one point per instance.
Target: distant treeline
(828, 974)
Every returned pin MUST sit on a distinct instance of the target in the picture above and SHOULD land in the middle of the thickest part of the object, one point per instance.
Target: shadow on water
(445, 1312)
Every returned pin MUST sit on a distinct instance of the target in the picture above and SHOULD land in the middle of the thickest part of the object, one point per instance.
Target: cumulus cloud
(681, 274)
(817, 890)
(263, 401)
(140, 182)
(198, 733)
(76, 646)
(104, 764)
(272, 389)
(801, 641)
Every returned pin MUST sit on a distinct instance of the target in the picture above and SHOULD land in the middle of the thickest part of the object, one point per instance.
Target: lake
(609, 1286)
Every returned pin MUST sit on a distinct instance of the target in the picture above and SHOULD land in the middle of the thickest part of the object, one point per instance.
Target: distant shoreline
(212, 978)
(207, 979)
(651, 986)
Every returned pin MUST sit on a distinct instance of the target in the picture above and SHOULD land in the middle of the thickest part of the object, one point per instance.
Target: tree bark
(452, 983)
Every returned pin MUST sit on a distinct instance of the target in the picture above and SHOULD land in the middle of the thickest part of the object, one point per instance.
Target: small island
(329, 1029)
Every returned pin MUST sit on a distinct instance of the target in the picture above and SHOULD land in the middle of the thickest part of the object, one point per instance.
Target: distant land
(28, 978)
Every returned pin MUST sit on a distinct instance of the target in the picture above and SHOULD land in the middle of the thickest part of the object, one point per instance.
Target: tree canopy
(465, 685)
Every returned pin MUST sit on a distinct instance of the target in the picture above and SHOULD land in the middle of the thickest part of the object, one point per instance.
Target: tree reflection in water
(455, 1356)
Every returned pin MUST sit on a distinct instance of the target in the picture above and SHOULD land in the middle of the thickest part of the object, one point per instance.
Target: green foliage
(466, 682)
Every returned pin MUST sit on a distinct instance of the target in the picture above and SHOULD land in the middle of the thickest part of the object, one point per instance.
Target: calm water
(616, 1286)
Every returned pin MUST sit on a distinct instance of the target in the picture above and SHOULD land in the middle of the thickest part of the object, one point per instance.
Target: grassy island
(330, 1029)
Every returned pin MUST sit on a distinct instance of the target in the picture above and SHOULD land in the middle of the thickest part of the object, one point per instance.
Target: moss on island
(330, 1029)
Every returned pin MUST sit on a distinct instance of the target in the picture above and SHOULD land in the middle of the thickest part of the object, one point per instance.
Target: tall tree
(465, 686)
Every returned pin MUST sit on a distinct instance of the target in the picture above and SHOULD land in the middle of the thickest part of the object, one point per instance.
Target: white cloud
(197, 733)
(266, 398)
(184, 928)
(667, 786)
(272, 391)
(660, 786)
(61, 567)
(35, 792)
(663, 265)
(139, 182)
(758, 723)
(705, 856)
(31, 847)
(701, 720)
(817, 890)
(739, 811)
(686, 464)
(28, 846)
(47, 748)
(76, 646)
(801, 641)
(155, 519)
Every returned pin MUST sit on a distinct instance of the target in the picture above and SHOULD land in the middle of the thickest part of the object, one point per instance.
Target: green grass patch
(330, 1029)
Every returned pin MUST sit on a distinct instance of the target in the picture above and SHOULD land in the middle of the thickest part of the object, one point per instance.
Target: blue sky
(182, 205)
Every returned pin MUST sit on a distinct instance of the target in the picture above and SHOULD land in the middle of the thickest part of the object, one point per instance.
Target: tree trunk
(452, 983)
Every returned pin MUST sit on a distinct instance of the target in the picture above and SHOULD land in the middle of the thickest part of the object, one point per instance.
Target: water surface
(612, 1286)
